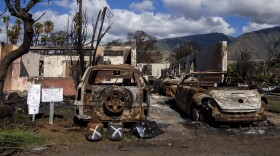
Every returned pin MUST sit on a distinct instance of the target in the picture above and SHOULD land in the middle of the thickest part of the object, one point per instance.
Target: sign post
(52, 95)
(33, 100)
(51, 113)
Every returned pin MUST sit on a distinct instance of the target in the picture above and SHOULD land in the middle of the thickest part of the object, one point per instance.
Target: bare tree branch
(92, 54)
(11, 8)
(31, 4)
(4, 11)
(40, 17)
(17, 5)
(102, 35)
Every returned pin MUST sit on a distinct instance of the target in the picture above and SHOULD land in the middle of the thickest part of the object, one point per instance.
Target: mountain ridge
(252, 41)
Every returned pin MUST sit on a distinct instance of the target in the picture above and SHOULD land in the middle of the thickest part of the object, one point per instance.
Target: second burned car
(209, 100)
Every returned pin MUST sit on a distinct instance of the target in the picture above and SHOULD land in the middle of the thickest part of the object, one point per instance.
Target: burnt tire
(115, 100)
(195, 115)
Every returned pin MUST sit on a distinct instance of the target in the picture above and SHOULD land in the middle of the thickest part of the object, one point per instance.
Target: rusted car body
(166, 86)
(112, 91)
(208, 100)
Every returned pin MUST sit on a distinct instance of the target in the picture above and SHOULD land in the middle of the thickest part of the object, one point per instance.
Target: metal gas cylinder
(115, 130)
(94, 130)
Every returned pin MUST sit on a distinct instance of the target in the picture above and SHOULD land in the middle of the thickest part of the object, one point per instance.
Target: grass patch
(23, 137)
(72, 137)
(128, 138)
(18, 121)
(17, 139)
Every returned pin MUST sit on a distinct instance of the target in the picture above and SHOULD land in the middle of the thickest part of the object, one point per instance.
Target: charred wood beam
(58, 48)
(205, 73)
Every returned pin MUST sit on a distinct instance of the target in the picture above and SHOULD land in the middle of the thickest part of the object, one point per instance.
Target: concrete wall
(31, 63)
(67, 84)
(184, 65)
(156, 68)
(13, 81)
(133, 53)
(4, 50)
(211, 59)
(114, 59)
(54, 66)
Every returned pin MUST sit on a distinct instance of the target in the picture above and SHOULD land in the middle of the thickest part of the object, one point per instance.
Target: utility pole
(80, 42)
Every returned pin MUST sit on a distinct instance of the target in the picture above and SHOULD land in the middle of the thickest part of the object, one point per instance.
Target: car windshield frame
(112, 77)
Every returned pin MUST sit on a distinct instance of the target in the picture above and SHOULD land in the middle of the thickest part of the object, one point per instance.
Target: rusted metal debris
(206, 99)
(108, 91)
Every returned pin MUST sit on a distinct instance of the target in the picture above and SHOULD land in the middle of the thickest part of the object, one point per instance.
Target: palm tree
(58, 40)
(17, 27)
(44, 40)
(6, 20)
(38, 28)
(18, 22)
(14, 33)
(11, 34)
(49, 26)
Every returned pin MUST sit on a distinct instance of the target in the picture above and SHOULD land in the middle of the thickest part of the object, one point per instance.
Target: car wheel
(115, 101)
(195, 115)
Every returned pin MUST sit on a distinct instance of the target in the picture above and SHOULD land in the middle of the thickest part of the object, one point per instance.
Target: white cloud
(160, 25)
(62, 3)
(255, 26)
(3, 37)
(146, 5)
(165, 25)
(60, 20)
(259, 11)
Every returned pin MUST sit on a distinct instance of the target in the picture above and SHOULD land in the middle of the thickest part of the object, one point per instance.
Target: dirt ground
(180, 137)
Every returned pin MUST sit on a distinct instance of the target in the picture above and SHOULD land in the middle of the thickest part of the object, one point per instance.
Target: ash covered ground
(181, 136)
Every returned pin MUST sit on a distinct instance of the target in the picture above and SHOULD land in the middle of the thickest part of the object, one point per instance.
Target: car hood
(237, 100)
(171, 81)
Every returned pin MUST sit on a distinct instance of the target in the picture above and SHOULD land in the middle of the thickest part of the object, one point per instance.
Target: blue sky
(165, 18)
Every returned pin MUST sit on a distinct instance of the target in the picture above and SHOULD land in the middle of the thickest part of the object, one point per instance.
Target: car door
(182, 95)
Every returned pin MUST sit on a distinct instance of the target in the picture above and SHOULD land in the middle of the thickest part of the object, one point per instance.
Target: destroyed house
(211, 59)
(55, 70)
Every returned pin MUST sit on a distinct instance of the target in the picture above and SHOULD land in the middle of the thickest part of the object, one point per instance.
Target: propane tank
(94, 130)
(115, 130)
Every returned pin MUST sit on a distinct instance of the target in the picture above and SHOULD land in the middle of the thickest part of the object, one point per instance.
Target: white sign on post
(34, 95)
(34, 98)
(33, 109)
(52, 95)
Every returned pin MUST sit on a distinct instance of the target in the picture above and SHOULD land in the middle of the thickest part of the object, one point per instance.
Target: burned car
(166, 86)
(218, 102)
(112, 91)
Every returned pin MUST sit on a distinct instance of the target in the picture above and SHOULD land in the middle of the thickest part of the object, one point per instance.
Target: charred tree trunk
(28, 22)
(8, 59)
(80, 39)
